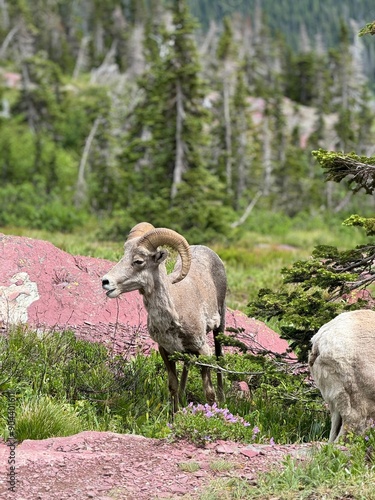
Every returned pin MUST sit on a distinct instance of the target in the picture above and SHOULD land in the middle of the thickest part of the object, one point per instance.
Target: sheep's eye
(138, 262)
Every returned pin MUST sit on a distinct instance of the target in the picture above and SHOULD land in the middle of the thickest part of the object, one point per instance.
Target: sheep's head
(140, 263)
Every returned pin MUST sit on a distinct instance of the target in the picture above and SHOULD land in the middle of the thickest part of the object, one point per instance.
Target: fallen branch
(248, 210)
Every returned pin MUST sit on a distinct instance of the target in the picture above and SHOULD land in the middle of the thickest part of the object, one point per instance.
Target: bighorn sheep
(342, 363)
(182, 306)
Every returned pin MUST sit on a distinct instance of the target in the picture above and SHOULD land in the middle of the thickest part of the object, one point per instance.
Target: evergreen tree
(164, 159)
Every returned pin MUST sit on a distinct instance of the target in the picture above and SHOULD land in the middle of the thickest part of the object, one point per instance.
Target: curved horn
(163, 236)
(139, 230)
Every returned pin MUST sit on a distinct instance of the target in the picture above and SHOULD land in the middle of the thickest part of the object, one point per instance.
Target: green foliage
(280, 406)
(300, 85)
(367, 223)
(322, 471)
(369, 29)
(26, 206)
(42, 417)
(317, 289)
(200, 199)
(106, 393)
(338, 166)
(311, 292)
(58, 377)
(165, 148)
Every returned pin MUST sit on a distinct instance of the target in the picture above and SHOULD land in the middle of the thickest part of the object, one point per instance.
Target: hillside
(127, 113)
(305, 24)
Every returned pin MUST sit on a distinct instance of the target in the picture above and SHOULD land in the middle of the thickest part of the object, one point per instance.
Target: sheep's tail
(313, 356)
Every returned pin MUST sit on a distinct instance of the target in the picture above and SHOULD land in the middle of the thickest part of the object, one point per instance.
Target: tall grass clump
(42, 417)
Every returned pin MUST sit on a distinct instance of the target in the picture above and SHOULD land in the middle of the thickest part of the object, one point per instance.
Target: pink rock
(226, 448)
(249, 453)
(50, 289)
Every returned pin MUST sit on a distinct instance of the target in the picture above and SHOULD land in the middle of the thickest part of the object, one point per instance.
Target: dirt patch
(105, 465)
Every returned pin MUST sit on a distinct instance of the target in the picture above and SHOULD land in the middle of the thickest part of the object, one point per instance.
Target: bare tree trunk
(8, 39)
(4, 14)
(228, 136)
(32, 115)
(179, 161)
(81, 187)
(98, 39)
(136, 51)
(208, 39)
(81, 58)
(267, 157)
(241, 176)
(107, 67)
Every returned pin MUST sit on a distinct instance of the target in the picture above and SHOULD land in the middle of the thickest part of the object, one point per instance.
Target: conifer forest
(187, 114)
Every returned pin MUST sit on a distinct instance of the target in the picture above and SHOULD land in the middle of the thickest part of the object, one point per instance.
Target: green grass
(327, 472)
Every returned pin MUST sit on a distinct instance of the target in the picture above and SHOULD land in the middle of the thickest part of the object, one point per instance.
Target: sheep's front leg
(172, 377)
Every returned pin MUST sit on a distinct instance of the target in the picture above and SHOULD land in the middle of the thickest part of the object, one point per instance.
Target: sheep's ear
(160, 256)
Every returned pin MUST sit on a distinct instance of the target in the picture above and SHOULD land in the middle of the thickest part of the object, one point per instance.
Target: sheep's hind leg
(207, 385)
(219, 353)
(336, 425)
(172, 377)
(183, 381)
(206, 378)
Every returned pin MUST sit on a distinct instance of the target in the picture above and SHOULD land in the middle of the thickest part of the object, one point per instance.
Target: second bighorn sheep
(342, 363)
(182, 306)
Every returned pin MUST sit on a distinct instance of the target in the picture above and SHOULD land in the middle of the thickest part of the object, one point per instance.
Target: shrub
(27, 205)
